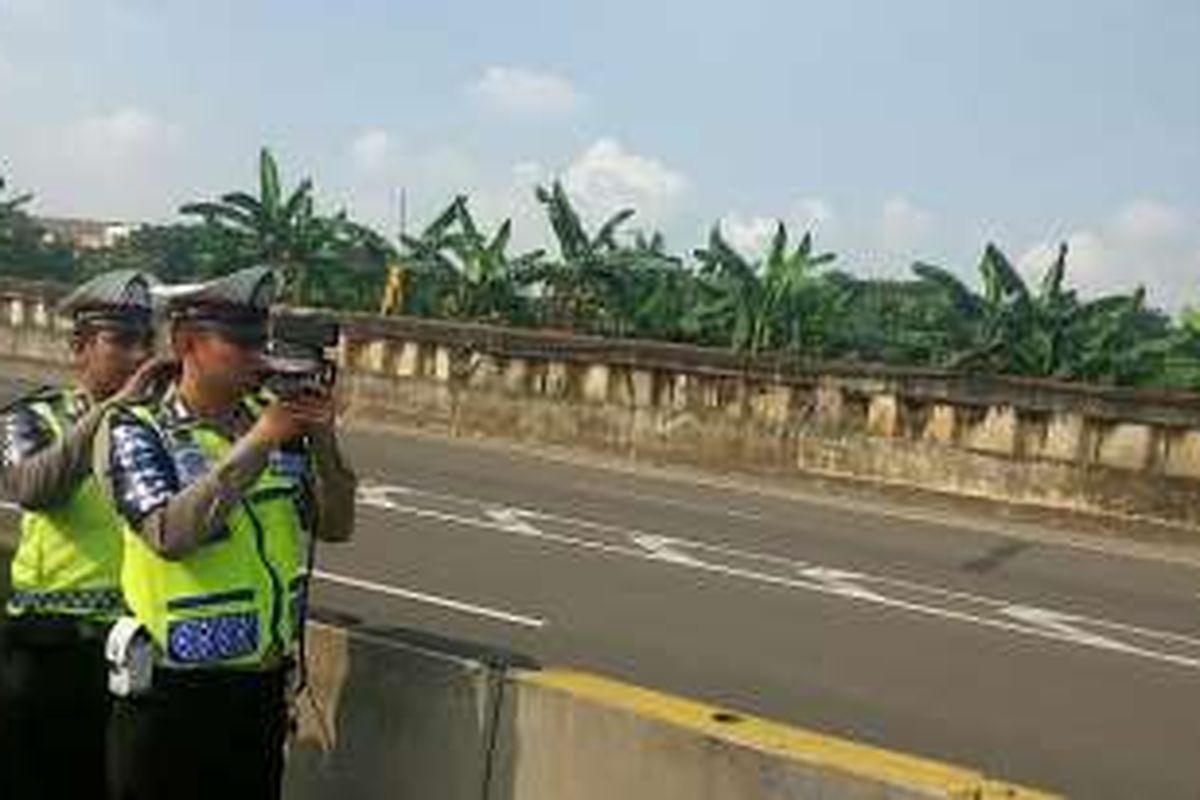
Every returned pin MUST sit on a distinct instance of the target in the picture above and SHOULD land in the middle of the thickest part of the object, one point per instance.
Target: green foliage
(24, 249)
(616, 281)
(783, 302)
(175, 253)
(1012, 329)
(453, 269)
(585, 288)
(325, 260)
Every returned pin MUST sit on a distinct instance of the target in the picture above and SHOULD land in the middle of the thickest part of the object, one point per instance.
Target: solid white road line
(472, 609)
(450, 604)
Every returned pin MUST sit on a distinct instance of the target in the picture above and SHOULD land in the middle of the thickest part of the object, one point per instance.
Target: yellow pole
(393, 290)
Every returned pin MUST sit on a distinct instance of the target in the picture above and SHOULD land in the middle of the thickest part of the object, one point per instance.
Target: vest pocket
(201, 633)
(204, 640)
(211, 599)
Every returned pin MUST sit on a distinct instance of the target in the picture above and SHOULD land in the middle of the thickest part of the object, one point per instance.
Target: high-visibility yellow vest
(235, 601)
(68, 560)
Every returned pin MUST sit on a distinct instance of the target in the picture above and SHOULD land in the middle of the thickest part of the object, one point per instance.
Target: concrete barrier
(398, 716)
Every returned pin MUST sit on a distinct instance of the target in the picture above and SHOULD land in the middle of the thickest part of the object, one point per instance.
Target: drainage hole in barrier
(726, 718)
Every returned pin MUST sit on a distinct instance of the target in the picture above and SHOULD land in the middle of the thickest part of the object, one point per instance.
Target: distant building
(85, 234)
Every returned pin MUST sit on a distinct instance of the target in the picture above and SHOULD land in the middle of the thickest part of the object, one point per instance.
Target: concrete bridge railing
(1095, 449)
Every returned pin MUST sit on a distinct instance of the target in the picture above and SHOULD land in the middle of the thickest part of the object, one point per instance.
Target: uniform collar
(76, 400)
(178, 414)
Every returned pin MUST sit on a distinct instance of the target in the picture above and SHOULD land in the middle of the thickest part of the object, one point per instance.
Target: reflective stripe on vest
(68, 559)
(74, 601)
(229, 602)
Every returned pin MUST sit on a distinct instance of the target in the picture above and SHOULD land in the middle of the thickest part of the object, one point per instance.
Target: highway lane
(1050, 664)
(968, 638)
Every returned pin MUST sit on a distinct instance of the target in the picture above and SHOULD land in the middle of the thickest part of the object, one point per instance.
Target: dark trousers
(54, 707)
(211, 734)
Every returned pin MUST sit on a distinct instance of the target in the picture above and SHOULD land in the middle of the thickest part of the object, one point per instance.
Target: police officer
(220, 487)
(65, 574)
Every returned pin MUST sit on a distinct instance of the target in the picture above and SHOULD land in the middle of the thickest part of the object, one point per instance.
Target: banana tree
(461, 272)
(801, 306)
(426, 274)
(350, 269)
(649, 293)
(990, 330)
(285, 231)
(582, 289)
(780, 302)
(733, 305)
(1051, 332)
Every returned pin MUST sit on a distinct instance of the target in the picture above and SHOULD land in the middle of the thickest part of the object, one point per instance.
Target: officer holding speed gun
(65, 573)
(222, 485)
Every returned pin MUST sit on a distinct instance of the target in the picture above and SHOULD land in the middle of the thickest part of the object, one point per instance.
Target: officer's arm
(38, 472)
(139, 472)
(335, 489)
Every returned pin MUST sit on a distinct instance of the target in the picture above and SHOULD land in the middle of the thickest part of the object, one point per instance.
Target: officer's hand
(276, 425)
(287, 418)
(139, 384)
(314, 410)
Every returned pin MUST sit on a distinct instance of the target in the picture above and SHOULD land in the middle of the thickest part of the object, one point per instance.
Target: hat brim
(126, 320)
(248, 333)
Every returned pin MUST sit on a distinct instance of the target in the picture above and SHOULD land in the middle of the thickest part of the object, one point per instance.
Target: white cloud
(109, 138)
(379, 158)
(905, 225)
(1092, 261)
(371, 150)
(377, 164)
(748, 236)
(811, 214)
(1144, 243)
(602, 179)
(513, 198)
(118, 164)
(1149, 221)
(1089, 257)
(752, 234)
(1094, 265)
(515, 90)
(1034, 262)
(606, 177)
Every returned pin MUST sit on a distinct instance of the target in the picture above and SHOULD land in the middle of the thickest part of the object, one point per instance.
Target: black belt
(222, 682)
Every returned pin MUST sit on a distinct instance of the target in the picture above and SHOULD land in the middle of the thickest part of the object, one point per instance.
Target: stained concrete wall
(396, 715)
(1118, 451)
(393, 716)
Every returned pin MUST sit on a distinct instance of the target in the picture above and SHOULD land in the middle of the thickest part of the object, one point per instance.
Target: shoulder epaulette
(43, 394)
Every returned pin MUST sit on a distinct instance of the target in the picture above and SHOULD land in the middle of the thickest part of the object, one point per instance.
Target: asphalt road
(963, 637)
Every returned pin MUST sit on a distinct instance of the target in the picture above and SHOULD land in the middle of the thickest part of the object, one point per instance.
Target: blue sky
(895, 130)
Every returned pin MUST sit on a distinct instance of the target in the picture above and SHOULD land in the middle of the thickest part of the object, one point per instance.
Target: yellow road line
(790, 742)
